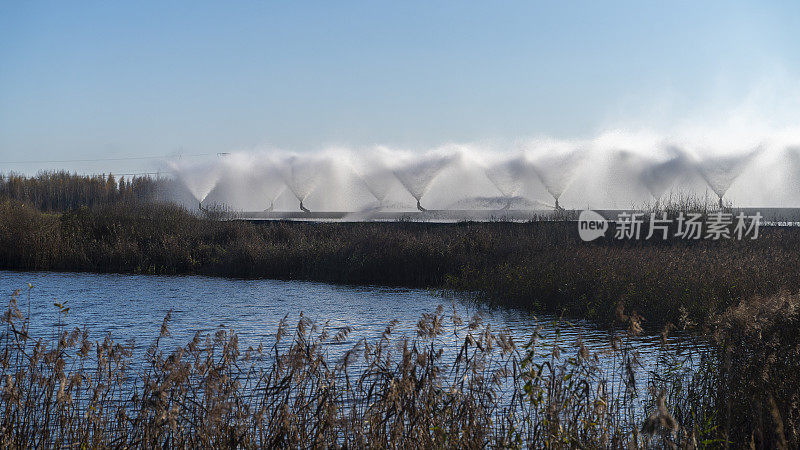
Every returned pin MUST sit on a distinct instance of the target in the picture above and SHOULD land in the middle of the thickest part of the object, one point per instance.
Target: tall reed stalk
(396, 392)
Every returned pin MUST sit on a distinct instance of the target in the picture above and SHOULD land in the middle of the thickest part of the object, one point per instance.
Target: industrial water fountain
(508, 176)
(720, 171)
(659, 175)
(471, 181)
(555, 164)
(657, 171)
(301, 175)
(416, 174)
(793, 164)
(373, 171)
(247, 181)
(199, 178)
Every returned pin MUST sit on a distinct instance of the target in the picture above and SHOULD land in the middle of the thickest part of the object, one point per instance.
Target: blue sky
(101, 80)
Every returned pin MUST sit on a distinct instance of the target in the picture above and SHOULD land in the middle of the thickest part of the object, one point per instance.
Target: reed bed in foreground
(393, 392)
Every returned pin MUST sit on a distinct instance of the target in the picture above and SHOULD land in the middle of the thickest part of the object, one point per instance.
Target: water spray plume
(509, 175)
(599, 172)
(555, 163)
(302, 174)
(658, 170)
(198, 177)
(720, 171)
(793, 163)
(373, 170)
(661, 174)
(249, 180)
(417, 173)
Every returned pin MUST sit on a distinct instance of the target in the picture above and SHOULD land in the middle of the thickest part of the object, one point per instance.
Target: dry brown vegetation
(740, 389)
(539, 266)
(759, 381)
(391, 392)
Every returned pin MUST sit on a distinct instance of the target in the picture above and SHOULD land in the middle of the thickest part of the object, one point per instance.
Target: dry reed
(388, 392)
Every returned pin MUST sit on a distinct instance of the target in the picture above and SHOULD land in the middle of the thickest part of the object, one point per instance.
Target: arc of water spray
(507, 177)
(294, 184)
(659, 175)
(254, 179)
(417, 175)
(793, 159)
(556, 170)
(275, 197)
(655, 173)
(367, 183)
(199, 179)
(720, 172)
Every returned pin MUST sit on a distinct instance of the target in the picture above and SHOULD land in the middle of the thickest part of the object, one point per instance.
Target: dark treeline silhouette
(63, 191)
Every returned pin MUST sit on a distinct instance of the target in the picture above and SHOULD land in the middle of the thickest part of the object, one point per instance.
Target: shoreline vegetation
(390, 392)
(537, 266)
(740, 295)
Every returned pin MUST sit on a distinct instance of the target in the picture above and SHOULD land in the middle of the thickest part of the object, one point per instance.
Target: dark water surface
(132, 307)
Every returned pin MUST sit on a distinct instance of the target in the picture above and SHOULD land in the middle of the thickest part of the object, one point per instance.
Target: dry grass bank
(540, 266)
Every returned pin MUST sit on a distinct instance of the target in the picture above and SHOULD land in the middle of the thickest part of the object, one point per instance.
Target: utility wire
(120, 174)
(126, 158)
(135, 174)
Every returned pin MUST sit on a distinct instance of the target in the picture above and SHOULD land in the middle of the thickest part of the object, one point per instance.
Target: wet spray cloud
(614, 169)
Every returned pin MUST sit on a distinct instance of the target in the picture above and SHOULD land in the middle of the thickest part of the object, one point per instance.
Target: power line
(126, 158)
(134, 174)
(118, 174)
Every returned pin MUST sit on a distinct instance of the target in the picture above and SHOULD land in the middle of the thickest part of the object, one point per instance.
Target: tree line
(57, 191)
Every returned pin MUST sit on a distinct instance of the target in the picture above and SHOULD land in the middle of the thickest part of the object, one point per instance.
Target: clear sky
(101, 80)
